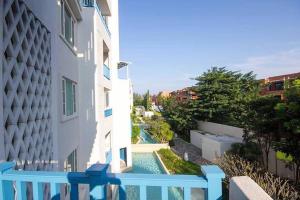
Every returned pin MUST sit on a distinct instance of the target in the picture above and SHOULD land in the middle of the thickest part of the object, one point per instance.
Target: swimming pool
(146, 138)
(147, 163)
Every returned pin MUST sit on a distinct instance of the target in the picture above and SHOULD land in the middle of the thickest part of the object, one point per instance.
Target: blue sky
(171, 41)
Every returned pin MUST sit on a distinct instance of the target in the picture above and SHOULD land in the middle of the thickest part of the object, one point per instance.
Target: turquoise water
(145, 138)
(147, 163)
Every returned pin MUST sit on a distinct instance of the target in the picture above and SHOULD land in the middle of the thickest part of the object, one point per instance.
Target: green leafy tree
(160, 129)
(147, 101)
(180, 115)
(223, 95)
(289, 115)
(262, 124)
(138, 99)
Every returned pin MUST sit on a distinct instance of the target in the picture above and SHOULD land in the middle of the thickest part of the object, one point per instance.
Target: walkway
(195, 154)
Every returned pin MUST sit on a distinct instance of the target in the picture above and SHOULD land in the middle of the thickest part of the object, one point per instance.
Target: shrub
(159, 129)
(248, 150)
(276, 187)
(135, 134)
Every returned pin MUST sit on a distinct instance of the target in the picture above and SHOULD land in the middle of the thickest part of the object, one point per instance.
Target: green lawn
(176, 165)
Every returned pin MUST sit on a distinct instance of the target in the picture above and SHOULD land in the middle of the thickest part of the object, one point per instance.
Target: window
(279, 85)
(107, 143)
(69, 97)
(67, 23)
(70, 165)
(107, 103)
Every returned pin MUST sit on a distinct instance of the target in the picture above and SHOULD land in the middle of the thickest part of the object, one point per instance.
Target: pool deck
(194, 153)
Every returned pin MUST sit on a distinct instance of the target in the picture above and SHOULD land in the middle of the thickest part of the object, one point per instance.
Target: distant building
(184, 94)
(275, 85)
(164, 94)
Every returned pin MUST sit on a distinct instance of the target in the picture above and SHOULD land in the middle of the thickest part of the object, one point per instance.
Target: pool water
(147, 163)
(146, 138)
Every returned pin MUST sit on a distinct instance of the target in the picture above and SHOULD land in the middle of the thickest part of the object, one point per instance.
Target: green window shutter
(69, 97)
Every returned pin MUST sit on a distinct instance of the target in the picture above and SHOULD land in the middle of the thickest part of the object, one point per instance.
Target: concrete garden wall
(148, 147)
(220, 129)
(244, 188)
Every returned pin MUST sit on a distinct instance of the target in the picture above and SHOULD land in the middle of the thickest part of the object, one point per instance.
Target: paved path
(195, 154)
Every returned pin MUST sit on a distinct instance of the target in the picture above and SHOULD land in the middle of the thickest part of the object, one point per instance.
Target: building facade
(60, 91)
(275, 85)
(184, 94)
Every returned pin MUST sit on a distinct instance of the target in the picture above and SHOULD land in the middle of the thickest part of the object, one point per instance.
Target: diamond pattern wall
(26, 88)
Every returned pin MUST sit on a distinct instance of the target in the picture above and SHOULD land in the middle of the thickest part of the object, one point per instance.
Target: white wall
(244, 188)
(84, 65)
(122, 123)
(212, 146)
(220, 129)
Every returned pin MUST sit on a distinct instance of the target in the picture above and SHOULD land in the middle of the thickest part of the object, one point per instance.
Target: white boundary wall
(148, 147)
(244, 188)
(220, 129)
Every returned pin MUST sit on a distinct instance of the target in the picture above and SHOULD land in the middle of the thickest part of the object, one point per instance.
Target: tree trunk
(297, 173)
(267, 159)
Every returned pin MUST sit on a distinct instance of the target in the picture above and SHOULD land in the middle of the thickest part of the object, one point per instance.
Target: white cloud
(270, 65)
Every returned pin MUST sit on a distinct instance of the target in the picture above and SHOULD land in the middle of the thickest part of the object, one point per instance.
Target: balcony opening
(106, 62)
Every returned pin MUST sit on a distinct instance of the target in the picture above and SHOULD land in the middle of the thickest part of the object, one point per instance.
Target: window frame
(64, 103)
(107, 149)
(66, 8)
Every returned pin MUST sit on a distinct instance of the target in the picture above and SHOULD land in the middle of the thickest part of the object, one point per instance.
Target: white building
(61, 98)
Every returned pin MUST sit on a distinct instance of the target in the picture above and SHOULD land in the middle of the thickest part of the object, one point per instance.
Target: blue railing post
(6, 187)
(98, 177)
(214, 176)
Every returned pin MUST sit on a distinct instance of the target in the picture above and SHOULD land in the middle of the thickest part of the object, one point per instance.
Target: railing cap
(212, 171)
(4, 166)
(97, 170)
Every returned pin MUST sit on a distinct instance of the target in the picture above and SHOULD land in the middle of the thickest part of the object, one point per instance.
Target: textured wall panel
(26, 79)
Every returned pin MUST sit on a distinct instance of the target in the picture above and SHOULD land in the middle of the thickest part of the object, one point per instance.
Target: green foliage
(147, 101)
(289, 115)
(261, 123)
(176, 165)
(248, 151)
(283, 156)
(179, 114)
(135, 134)
(223, 95)
(138, 99)
(276, 187)
(142, 100)
(159, 129)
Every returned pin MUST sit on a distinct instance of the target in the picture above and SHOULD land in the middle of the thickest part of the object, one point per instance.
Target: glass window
(69, 97)
(107, 143)
(70, 165)
(107, 99)
(67, 23)
(279, 85)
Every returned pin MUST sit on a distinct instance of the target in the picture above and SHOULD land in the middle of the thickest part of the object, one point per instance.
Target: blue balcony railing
(108, 112)
(92, 3)
(98, 178)
(106, 72)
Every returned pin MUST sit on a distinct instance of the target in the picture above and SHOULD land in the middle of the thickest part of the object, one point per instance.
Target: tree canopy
(223, 95)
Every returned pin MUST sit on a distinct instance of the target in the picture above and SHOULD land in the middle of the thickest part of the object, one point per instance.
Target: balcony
(98, 179)
(92, 3)
(108, 112)
(106, 72)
